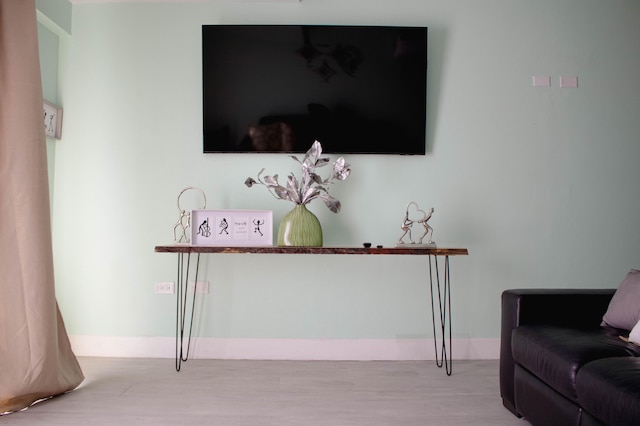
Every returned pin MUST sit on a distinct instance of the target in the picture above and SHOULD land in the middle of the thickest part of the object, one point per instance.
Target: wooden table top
(186, 248)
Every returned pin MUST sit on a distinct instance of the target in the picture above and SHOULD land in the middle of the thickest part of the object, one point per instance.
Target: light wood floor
(255, 393)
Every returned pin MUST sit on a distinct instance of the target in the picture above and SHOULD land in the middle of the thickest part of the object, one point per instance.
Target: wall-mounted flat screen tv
(277, 88)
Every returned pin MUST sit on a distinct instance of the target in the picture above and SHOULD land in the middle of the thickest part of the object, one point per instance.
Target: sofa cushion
(609, 389)
(556, 354)
(624, 309)
(634, 336)
(531, 395)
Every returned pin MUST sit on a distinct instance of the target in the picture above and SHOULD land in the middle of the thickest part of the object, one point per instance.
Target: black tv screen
(277, 88)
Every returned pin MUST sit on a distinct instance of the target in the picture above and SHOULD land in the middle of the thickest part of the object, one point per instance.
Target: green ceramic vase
(300, 228)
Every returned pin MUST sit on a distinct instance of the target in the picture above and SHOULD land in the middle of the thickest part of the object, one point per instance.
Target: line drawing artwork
(204, 229)
(258, 223)
(230, 227)
(224, 226)
(51, 117)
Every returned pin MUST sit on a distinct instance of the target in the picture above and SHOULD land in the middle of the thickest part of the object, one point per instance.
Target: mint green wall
(48, 44)
(54, 26)
(49, 49)
(58, 11)
(540, 184)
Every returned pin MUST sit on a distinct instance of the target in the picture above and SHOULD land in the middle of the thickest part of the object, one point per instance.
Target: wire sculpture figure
(182, 228)
(407, 227)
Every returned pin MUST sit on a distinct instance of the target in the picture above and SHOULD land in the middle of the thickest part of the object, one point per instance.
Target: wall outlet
(569, 81)
(165, 287)
(203, 287)
(541, 81)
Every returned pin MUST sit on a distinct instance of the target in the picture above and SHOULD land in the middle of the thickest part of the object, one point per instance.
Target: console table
(440, 289)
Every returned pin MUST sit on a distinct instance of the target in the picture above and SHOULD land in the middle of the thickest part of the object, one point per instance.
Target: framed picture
(232, 228)
(52, 116)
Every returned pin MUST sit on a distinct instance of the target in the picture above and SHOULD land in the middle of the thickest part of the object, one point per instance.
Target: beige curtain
(36, 360)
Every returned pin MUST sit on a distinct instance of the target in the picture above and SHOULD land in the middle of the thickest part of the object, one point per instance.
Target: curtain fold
(36, 360)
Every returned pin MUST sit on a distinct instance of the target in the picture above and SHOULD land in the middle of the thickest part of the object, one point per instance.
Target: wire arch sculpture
(182, 228)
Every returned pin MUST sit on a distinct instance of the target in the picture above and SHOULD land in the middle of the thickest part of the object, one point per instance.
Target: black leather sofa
(560, 366)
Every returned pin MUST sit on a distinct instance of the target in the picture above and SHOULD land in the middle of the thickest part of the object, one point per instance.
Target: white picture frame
(52, 119)
(237, 228)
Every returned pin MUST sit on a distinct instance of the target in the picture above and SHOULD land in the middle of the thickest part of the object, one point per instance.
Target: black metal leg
(444, 352)
(182, 286)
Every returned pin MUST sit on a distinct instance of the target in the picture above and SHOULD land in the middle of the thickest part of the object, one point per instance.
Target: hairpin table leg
(182, 286)
(443, 353)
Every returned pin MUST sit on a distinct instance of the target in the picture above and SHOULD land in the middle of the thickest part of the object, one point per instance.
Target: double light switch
(570, 82)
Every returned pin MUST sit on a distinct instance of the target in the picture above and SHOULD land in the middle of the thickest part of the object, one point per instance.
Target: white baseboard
(283, 349)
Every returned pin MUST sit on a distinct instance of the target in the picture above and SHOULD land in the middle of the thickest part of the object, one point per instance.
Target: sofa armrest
(578, 308)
